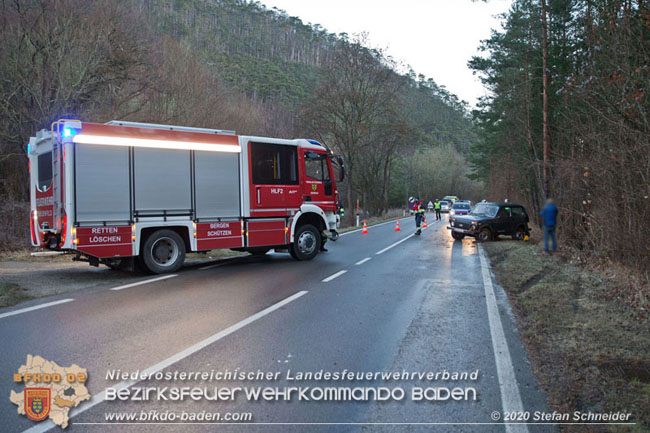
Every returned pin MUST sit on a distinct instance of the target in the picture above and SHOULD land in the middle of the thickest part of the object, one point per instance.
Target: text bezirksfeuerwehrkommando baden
(365, 385)
(289, 393)
(290, 375)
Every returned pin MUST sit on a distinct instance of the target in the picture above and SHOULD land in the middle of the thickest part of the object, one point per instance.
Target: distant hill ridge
(265, 53)
(273, 57)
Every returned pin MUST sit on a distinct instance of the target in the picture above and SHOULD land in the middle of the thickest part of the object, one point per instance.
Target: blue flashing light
(315, 142)
(69, 132)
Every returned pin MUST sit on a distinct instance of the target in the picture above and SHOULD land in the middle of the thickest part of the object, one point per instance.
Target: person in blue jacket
(549, 214)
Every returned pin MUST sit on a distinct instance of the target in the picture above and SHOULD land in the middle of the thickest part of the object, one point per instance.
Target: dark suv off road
(488, 220)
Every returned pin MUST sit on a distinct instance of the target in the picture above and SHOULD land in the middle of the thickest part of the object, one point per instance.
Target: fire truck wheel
(306, 242)
(164, 251)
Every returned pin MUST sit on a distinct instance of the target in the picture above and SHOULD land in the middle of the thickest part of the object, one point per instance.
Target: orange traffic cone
(365, 228)
(425, 223)
(397, 229)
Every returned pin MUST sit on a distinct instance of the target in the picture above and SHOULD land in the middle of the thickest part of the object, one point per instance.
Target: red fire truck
(114, 192)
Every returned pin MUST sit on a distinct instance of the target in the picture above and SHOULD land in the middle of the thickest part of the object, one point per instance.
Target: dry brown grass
(590, 349)
(11, 294)
(14, 224)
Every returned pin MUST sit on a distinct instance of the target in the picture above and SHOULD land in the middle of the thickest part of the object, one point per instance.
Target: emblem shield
(37, 403)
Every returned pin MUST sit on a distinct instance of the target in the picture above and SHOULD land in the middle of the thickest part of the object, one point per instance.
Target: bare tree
(61, 59)
(546, 134)
(354, 112)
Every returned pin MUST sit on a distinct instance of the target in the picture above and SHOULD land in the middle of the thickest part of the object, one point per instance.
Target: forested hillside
(266, 53)
(281, 62)
(229, 64)
(577, 130)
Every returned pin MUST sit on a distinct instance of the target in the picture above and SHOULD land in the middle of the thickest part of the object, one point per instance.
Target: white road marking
(139, 283)
(375, 225)
(361, 262)
(35, 307)
(99, 398)
(510, 397)
(331, 277)
(395, 244)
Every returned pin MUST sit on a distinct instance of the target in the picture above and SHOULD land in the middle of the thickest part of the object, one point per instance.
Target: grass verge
(589, 350)
(11, 294)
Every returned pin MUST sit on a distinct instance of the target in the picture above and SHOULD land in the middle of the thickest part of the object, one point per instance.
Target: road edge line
(374, 225)
(510, 396)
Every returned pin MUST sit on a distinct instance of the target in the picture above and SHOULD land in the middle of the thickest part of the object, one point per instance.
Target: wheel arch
(182, 231)
(315, 217)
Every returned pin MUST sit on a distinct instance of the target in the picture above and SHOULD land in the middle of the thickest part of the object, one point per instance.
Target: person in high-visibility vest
(436, 206)
(416, 206)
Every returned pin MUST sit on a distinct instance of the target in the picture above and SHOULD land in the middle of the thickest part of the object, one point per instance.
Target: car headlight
(452, 212)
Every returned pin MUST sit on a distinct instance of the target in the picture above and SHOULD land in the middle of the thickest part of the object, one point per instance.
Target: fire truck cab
(113, 192)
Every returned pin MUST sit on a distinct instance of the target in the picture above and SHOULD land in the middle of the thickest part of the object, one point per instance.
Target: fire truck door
(318, 179)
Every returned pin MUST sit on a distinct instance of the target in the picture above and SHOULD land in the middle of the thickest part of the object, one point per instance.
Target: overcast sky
(435, 37)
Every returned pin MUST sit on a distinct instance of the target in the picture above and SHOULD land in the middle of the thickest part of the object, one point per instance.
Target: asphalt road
(379, 302)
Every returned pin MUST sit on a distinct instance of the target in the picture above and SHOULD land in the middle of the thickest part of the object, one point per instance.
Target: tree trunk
(350, 205)
(384, 191)
(546, 135)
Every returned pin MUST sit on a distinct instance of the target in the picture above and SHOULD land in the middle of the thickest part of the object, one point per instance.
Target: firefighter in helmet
(416, 206)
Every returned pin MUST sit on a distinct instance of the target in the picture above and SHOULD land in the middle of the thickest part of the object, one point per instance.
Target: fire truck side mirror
(339, 161)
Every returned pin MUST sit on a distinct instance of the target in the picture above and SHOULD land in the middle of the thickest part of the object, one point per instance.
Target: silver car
(445, 205)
